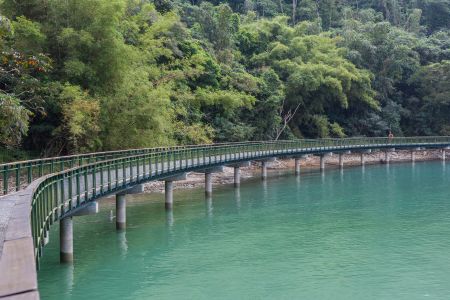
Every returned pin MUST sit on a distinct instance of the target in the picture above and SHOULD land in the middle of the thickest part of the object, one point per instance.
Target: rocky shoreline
(195, 180)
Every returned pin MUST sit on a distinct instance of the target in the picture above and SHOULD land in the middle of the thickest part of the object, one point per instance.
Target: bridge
(38, 193)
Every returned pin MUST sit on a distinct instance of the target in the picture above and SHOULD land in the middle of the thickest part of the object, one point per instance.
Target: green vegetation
(88, 75)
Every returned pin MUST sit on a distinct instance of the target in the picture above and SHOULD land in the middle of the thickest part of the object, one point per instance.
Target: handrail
(15, 176)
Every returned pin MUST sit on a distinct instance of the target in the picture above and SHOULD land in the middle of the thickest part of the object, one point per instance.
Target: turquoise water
(379, 232)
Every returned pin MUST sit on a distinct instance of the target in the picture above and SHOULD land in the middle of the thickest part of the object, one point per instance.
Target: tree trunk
(294, 11)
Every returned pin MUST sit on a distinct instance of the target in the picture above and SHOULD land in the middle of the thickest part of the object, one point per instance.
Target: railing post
(5, 179)
(18, 177)
(30, 173)
(86, 184)
(69, 179)
(77, 176)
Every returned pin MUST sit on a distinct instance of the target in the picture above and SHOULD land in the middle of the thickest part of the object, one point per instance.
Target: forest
(92, 75)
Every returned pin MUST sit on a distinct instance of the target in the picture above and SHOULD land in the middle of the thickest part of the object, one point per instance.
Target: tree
(317, 77)
(432, 84)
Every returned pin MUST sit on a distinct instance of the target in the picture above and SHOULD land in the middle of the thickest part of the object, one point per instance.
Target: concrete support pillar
(208, 184)
(121, 212)
(263, 170)
(363, 161)
(297, 166)
(237, 176)
(341, 160)
(66, 240)
(413, 156)
(443, 154)
(386, 157)
(322, 162)
(169, 194)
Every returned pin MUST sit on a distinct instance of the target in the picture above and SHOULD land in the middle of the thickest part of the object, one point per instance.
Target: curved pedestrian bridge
(38, 193)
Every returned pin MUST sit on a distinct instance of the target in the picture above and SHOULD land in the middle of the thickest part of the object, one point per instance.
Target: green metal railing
(73, 181)
(15, 176)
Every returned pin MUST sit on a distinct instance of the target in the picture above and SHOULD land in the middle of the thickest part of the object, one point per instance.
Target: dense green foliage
(91, 75)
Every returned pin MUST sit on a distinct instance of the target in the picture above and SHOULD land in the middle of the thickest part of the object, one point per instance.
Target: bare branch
(286, 119)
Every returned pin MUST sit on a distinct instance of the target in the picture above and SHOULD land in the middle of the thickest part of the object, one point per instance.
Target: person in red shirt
(390, 136)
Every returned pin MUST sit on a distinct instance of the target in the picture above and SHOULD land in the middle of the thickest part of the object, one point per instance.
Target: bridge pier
(297, 163)
(386, 154)
(208, 184)
(121, 205)
(208, 178)
(237, 176)
(237, 172)
(443, 154)
(66, 230)
(297, 166)
(121, 211)
(66, 240)
(264, 167)
(363, 158)
(413, 153)
(168, 189)
(263, 170)
(341, 158)
(322, 163)
(322, 160)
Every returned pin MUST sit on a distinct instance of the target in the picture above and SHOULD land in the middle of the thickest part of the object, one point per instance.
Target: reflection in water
(237, 197)
(122, 243)
(341, 174)
(169, 218)
(67, 276)
(170, 228)
(209, 205)
(111, 216)
(264, 188)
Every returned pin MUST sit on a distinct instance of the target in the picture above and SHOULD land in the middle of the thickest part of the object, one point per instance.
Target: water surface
(379, 232)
